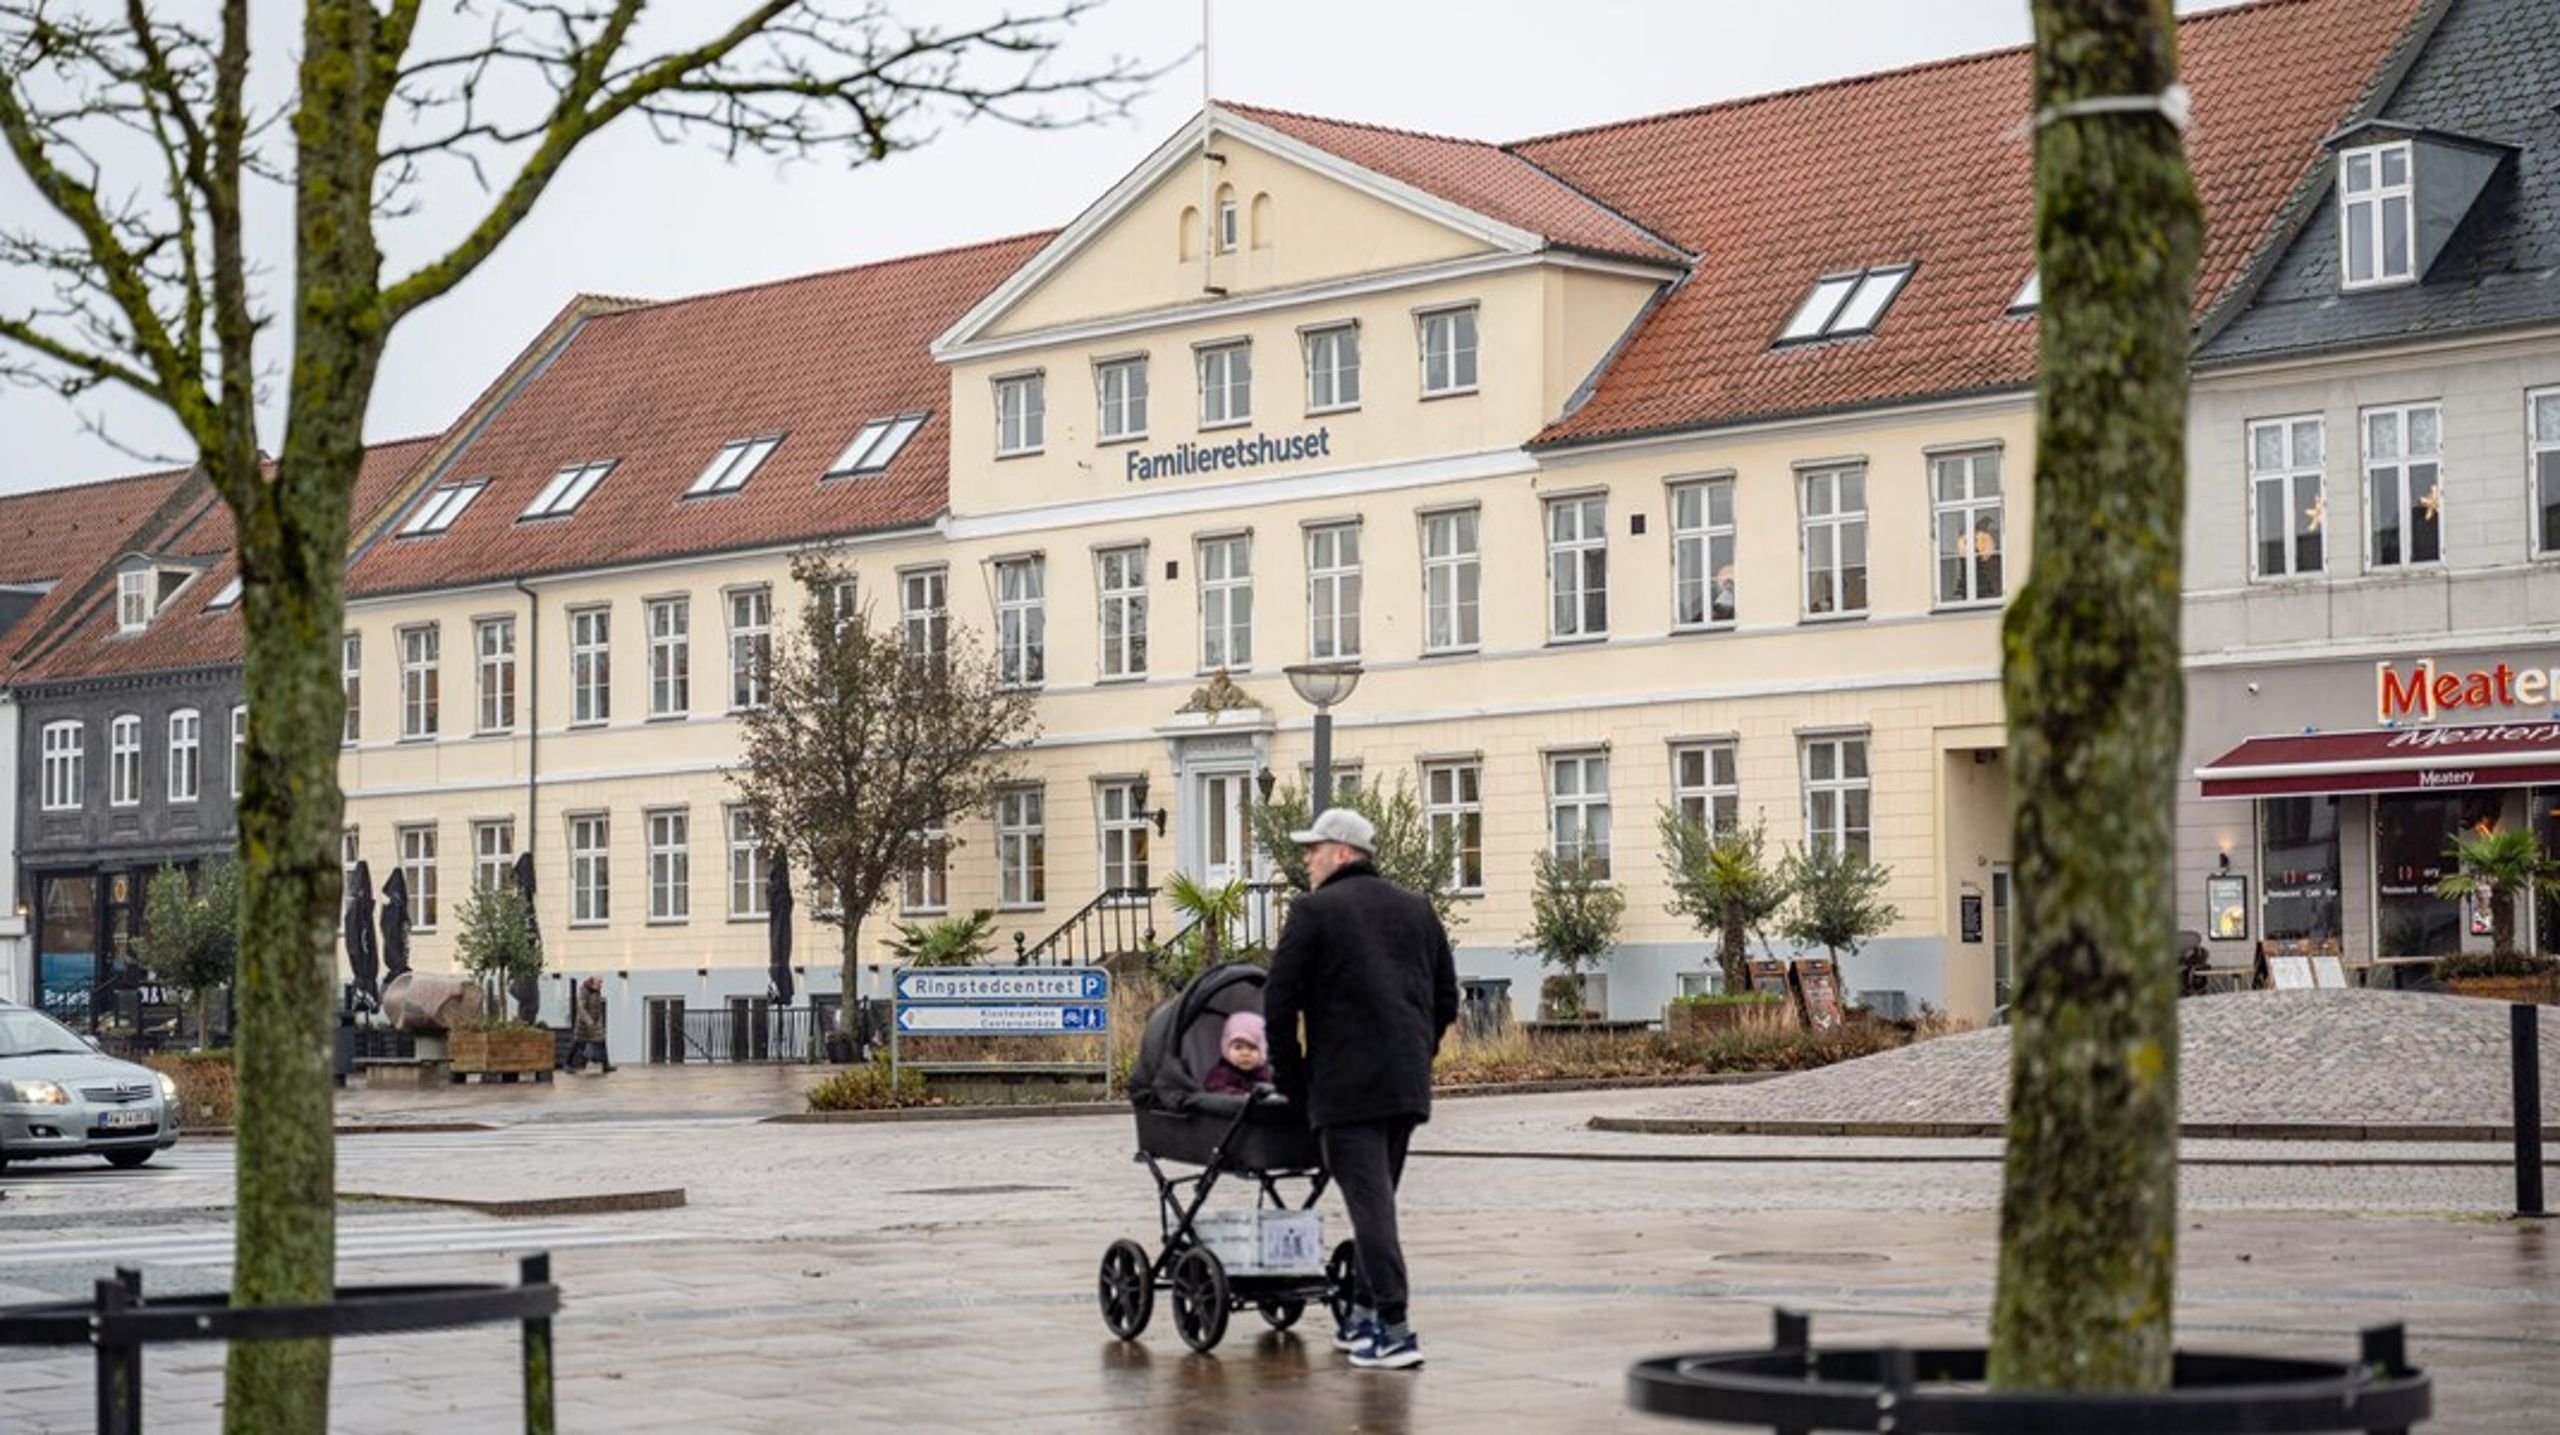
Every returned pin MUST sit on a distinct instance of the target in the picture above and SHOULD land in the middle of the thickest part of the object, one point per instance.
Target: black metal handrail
(1119, 921)
(750, 1034)
(1266, 908)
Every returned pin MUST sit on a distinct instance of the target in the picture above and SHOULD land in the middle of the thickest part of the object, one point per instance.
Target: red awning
(2408, 759)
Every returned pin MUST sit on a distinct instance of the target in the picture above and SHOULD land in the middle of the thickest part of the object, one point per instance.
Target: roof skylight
(442, 507)
(878, 443)
(733, 465)
(567, 489)
(228, 595)
(1845, 304)
(2030, 294)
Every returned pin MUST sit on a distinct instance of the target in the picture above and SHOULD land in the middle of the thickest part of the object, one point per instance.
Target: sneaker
(1354, 1335)
(1389, 1352)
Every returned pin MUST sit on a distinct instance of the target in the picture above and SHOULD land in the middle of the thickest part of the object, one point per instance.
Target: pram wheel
(1200, 1302)
(1341, 1274)
(1282, 1314)
(1128, 1289)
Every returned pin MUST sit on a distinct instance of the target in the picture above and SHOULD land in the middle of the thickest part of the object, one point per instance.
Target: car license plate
(124, 1120)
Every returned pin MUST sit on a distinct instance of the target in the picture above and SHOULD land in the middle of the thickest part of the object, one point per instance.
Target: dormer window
(874, 447)
(735, 463)
(567, 489)
(1842, 305)
(442, 507)
(2030, 294)
(2377, 220)
(133, 600)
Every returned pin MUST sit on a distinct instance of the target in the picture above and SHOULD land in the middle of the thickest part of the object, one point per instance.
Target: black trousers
(1367, 1162)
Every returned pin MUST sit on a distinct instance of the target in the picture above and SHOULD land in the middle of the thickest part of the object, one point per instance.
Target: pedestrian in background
(586, 1028)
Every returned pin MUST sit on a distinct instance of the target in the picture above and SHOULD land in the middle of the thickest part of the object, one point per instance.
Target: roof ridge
(86, 484)
(1369, 125)
(918, 257)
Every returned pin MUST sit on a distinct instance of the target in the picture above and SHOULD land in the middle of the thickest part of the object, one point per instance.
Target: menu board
(1818, 988)
(2289, 974)
(2328, 971)
(1770, 977)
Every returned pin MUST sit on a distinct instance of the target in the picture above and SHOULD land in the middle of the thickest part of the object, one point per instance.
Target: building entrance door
(1226, 828)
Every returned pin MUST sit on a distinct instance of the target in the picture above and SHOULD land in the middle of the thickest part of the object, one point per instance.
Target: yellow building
(1678, 463)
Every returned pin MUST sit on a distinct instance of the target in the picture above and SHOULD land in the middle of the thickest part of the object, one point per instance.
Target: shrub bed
(867, 1088)
(205, 1085)
(1509, 1057)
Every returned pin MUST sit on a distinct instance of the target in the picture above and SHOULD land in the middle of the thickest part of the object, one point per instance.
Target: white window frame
(496, 665)
(1964, 512)
(2409, 501)
(1844, 305)
(590, 869)
(1706, 784)
(670, 832)
(2365, 208)
(124, 760)
(1837, 784)
(925, 889)
(1226, 383)
(876, 445)
(415, 842)
(421, 682)
(670, 622)
(590, 666)
(1022, 878)
(351, 683)
(1125, 834)
(750, 615)
(735, 463)
(747, 871)
(2542, 479)
(1447, 338)
(1120, 584)
(1703, 547)
(1453, 622)
(239, 746)
(2282, 488)
(1577, 528)
(1333, 592)
(186, 755)
(1836, 521)
(1453, 802)
(924, 611)
(65, 753)
(1226, 602)
(1332, 353)
(1230, 225)
(1120, 398)
(1573, 797)
(1022, 414)
(441, 508)
(1022, 621)
(133, 599)
(493, 851)
(567, 489)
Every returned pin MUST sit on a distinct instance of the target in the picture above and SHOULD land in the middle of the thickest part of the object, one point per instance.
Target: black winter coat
(1367, 964)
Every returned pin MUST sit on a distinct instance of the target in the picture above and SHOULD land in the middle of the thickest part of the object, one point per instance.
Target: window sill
(1120, 680)
(1233, 670)
(756, 917)
(2289, 580)
(684, 921)
(586, 926)
(1822, 620)
(493, 732)
(668, 717)
(589, 724)
(1578, 640)
(1003, 454)
(1976, 605)
(1222, 425)
(1329, 410)
(417, 739)
(1428, 395)
(1700, 630)
(924, 911)
(1114, 440)
(1022, 906)
(1469, 651)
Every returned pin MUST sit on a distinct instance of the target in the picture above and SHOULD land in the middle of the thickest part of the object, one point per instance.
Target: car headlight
(38, 1093)
(168, 1087)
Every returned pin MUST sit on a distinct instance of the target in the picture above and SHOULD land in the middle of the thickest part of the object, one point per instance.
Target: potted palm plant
(2495, 866)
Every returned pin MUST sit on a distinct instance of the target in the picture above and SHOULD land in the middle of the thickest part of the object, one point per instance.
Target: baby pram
(1261, 1138)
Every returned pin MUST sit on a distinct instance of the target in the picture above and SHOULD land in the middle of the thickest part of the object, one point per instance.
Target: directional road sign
(1002, 984)
(1002, 1020)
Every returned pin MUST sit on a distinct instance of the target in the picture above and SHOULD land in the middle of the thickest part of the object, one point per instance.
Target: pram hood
(1181, 1042)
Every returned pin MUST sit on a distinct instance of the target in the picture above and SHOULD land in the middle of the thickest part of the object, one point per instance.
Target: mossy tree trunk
(2088, 1217)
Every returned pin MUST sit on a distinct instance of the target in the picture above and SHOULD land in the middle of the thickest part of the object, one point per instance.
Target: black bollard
(2524, 1026)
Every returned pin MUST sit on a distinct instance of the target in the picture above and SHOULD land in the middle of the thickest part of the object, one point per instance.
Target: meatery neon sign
(2425, 692)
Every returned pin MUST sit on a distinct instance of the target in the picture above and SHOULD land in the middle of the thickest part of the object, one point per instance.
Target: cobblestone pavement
(937, 1276)
(2402, 1058)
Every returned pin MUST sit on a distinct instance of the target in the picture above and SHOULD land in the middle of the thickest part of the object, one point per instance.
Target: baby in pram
(1241, 1067)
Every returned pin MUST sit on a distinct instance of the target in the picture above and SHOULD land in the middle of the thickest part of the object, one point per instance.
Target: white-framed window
(1448, 351)
(495, 641)
(874, 445)
(1702, 553)
(419, 680)
(186, 755)
(567, 489)
(493, 852)
(1578, 567)
(1121, 581)
(351, 681)
(2543, 412)
(670, 865)
(590, 870)
(418, 864)
(1022, 848)
(735, 463)
(1578, 809)
(1227, 225)
(1022, 414)
(1835, 540)
(2030, 295)
(1333, 592)
(2288, 497)
(1226, 384)
(1452, 582)
(1971, 527)
(1453, 808)
(124, 761)
(2404, 485)
(747, 870)
(1841, 305)
(1022, 621)
(670, 656)
(2377, 220)
(1124, 836)
(1120, 387)
(239, 748)
(1226, 602)
(1705, 788)
(65, 782)
(926, 887)
(1333, 368)
(924, 611)
(133, 600)
(590, 665)
(1837, 812)
(441, 508)
(750, 646)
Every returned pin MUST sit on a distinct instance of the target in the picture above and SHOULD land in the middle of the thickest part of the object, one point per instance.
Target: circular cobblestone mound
(2349, 1057)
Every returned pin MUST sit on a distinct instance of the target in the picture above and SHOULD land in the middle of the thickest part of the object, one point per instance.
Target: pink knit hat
(1247, 1026)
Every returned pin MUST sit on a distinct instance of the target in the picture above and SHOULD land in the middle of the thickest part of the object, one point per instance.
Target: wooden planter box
(2540, 990)
(492, 1053)
(1697, 1021)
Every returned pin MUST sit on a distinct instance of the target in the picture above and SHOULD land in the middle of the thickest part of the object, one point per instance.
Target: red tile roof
(1487, 178)
(660, 388)
(63, 536)
(1931, 165)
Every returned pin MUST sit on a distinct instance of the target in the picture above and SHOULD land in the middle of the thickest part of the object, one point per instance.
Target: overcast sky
(632, 216)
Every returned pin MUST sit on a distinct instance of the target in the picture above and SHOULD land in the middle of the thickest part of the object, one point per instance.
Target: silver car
(59, 1096)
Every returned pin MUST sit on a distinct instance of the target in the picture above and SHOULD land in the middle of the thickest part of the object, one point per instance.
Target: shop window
(2298, 861)
(2544, 804)
(2412, 833)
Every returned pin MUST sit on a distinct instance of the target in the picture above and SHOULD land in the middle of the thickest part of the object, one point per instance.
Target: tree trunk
(850, 1016)
(1736, 957)
(2502, 921)
(2089, 1201)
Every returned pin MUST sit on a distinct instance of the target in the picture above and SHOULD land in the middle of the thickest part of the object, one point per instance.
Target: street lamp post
(1323, 684)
